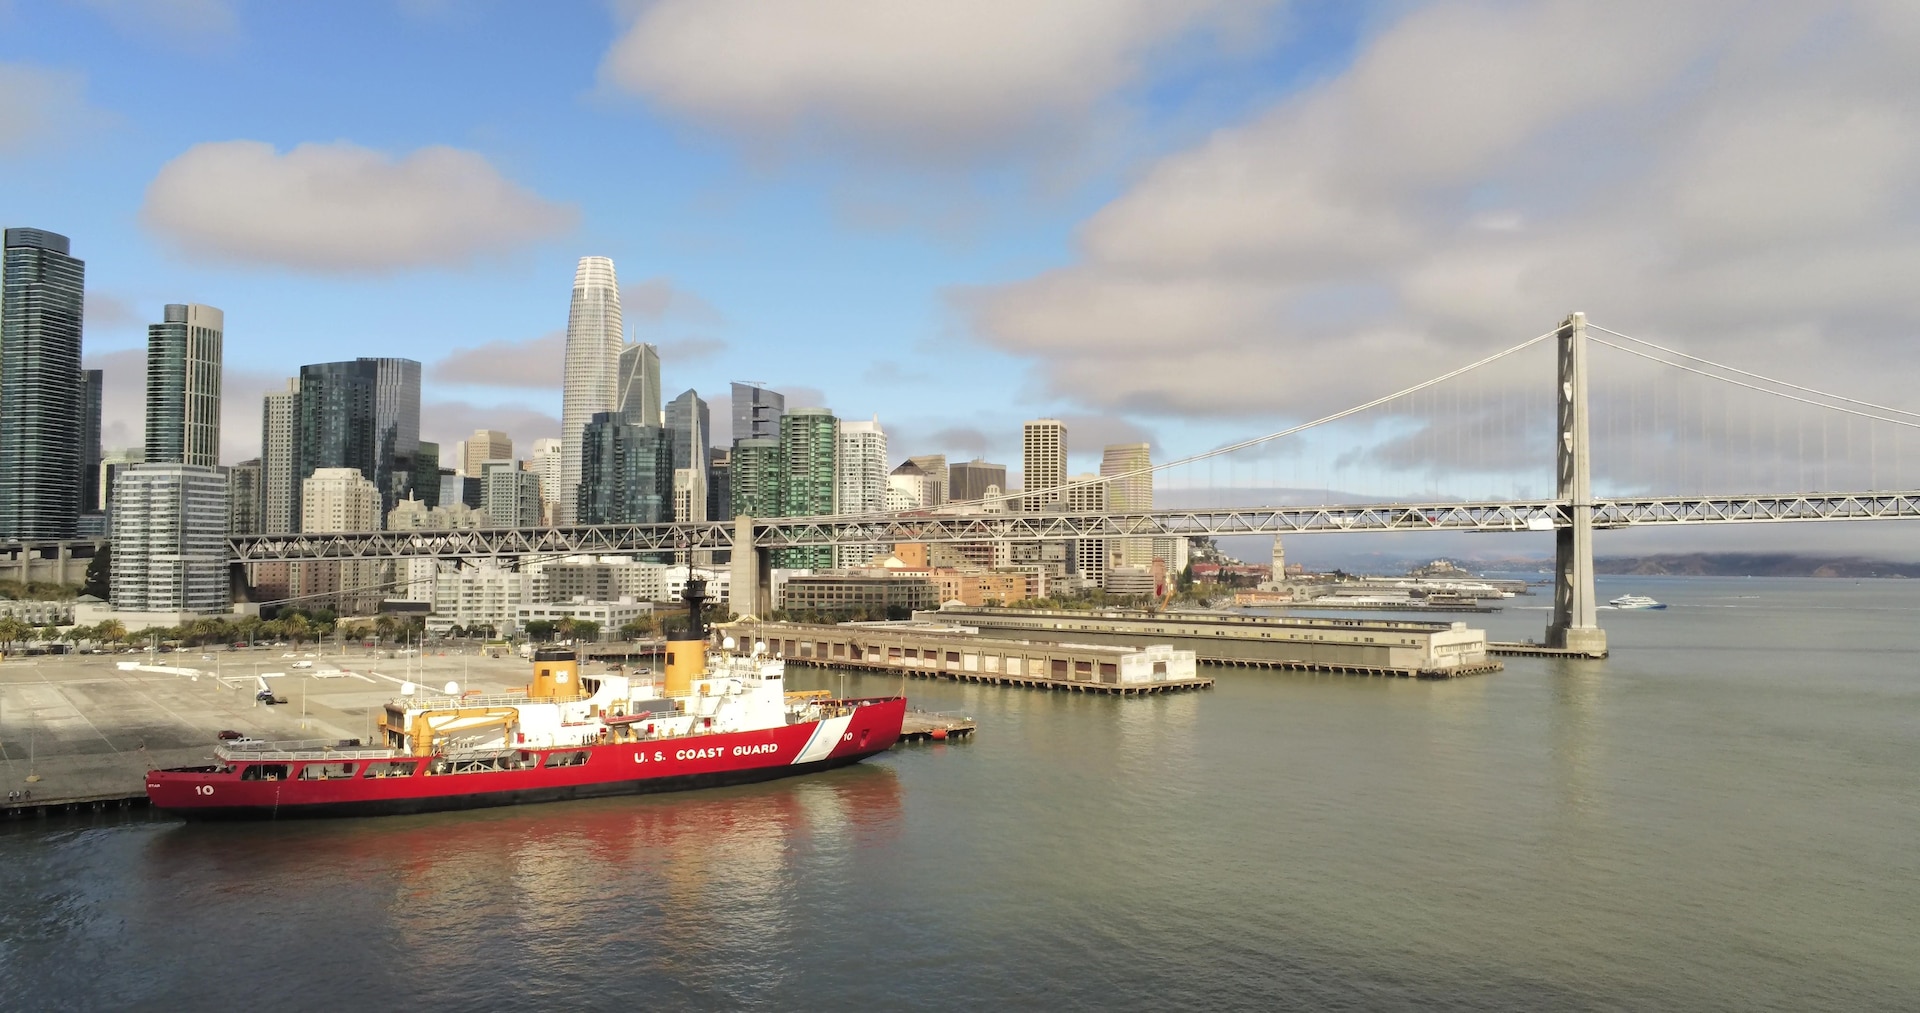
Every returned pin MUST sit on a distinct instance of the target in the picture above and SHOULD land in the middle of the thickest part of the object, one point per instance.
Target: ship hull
(598, 771)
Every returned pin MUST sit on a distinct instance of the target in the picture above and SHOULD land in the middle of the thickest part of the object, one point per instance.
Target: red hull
(626, 768)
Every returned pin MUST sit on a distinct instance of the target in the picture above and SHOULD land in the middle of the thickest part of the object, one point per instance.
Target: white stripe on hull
(826, 735)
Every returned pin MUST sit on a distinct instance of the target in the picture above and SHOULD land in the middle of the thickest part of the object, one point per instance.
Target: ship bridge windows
(392, 768)
(264, 772)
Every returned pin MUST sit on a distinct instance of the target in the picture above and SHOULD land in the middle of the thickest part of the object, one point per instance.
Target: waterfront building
(756, 412)
(512, 498)
(363, 414)
(968, 481)
(626, 474)
(93, 382)
(1044, 448)
(608, 616)
(243, 498)
(1128, 469)
(170, 540)
(339, 499)
(935, 465)
(809, 443)
(183, 385)
(590, 384)
(637, 389)
(857, 595)
(42, 395)
(861, 480)
(605, 580)
(984, 587)
(279, 460)
(483, 446)
(546, 463)
(757, 477)
(482, 594)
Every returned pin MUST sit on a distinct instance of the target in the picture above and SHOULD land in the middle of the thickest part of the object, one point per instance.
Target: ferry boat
(717, 717)
(1636, 601)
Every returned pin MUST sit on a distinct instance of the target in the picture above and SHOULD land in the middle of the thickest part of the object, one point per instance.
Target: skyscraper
(483, 446)
(590, 383)
(243, 498)
(363, 414)
(756, 412)
(935, 465)
(183, 385)
(809, 441)
(339, 499)
(1044, 442)
(757, 478)
(512, 495)
(95, 382)
(719, 484)
(1090, 556)
(170, 540)
(626, 472)
(968, 480)
(279, 460)
(860, 466)
(1128, 470)
(637, 394)
(42, 396)
(545, 460)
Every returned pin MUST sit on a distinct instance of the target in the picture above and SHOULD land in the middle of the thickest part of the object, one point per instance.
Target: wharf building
(970, 481)
(170, 540)
(183, 385)
(626, 473)
(590, 383)
(42, 392)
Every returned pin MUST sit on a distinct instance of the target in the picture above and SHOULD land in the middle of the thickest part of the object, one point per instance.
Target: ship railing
(317, 749)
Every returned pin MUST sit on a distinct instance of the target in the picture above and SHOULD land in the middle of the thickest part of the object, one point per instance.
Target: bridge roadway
(792, 532)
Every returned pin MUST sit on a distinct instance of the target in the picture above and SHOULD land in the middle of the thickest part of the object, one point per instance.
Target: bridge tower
(1574, 626)
(751, 592)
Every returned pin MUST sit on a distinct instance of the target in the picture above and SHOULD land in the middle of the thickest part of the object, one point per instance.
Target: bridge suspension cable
(1735, 369)
(1776, 393)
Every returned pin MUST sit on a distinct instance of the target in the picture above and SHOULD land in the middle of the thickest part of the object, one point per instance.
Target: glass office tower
(42, 393)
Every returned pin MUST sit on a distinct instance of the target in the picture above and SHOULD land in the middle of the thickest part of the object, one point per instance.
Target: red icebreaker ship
(717, 718)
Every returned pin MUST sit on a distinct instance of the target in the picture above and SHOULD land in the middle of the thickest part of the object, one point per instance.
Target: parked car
(302, 664)
(229, 735)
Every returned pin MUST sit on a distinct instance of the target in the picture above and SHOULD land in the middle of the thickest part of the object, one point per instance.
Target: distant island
(1753, 564)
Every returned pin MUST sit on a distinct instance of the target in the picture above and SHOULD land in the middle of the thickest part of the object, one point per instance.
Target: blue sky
(1180, 220)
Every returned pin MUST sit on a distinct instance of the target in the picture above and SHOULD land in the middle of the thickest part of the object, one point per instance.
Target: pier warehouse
(1360, 646)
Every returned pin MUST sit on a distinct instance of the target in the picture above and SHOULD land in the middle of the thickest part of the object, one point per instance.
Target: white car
(289, 654)
(303, 664)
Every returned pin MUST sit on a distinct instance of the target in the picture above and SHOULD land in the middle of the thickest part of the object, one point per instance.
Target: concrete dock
(928, 726)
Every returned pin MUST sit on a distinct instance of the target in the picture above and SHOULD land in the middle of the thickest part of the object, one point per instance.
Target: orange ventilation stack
(687, 655)
(556, 675)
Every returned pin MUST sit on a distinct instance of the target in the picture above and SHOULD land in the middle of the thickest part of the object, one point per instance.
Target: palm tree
(296, 628)
(112, 631)
(383, 628)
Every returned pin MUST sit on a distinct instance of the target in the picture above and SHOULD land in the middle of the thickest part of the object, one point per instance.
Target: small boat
(1636, 601)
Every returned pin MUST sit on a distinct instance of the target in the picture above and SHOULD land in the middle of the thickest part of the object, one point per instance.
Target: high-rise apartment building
(483, 446)
(1090, 556)
(545, 461)
(363, 414)
(626, 473)
(935, 465)
(591, 380)
(1128, 469)
(1044, 446)
(809, 445)
(170, 540)
(757, 478)
(860, 482)
(339, 499)
(183, 385)
(42, 394)
(280, 461)
(512, 497)
(756, 412)
(637, 392)
(94, 383)
(243, 498)
(968, 481)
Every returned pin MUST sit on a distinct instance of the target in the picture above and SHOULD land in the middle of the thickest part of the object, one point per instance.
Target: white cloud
(343, 208)
(40, 106)
(534, 364)
(933, 77)
(1725, 173)
(653, 299)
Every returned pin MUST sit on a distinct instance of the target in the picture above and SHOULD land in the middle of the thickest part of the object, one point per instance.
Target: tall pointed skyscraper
(590, 384)
(638, 394)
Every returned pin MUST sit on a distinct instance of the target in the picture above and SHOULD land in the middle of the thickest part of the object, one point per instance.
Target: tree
(586, 630)
(12, 630)
(297, 628)
(112, 631)
(100, 574)
(566, 626)
(383, 628)
(634, 629)
(539, 629)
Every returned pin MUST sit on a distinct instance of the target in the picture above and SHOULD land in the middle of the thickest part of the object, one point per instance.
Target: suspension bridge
(1679, 439)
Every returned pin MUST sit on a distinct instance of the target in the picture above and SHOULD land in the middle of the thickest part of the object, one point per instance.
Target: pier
(1415, 650)
(928, 726)
(933, 650)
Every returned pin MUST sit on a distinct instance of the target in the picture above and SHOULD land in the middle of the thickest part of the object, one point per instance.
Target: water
(1721, 816)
